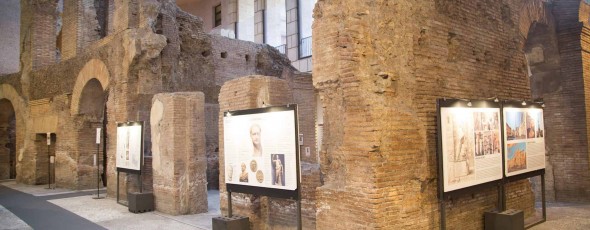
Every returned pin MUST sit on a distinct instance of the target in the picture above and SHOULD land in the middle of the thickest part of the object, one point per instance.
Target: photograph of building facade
(365, 76)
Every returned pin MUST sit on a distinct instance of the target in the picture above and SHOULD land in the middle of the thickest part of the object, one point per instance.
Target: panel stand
(543, 200)
(543, 204)
(49, 169)
(118, 202)
(98, 173)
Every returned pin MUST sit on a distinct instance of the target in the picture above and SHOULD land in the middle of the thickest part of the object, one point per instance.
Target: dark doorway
(7, 140)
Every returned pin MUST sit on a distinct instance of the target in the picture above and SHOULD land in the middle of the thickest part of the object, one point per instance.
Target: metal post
(98, 173)
(299, 222)
(229, 212)
(504, 195)
(117, 186)
(543, 197)
(140, 183)
(48, 167)
(443, 221)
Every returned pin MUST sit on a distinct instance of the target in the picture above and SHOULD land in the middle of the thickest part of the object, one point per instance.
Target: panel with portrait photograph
(260, 149)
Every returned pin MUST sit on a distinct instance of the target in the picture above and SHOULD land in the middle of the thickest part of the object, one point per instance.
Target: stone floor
(110, 215)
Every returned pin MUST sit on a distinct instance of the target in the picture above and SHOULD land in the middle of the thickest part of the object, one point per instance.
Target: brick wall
(212, 144)
(43, 37)
(178, 124)
(264, 212)
(567, 115)
(379, 79)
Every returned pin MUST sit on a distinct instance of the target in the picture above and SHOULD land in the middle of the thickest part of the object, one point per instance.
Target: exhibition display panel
(485, 143)
(471, 143)
(261, 151)
(129, 146)
(524, 135)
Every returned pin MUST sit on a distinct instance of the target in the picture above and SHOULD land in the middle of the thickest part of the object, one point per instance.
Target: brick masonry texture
(159, 49)
(255, 92)
(378, 79)
(378, 68)
(179, 161)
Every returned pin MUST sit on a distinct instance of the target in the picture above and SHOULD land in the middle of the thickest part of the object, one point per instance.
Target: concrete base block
(231, 223)
(510, 219)
(140, 202)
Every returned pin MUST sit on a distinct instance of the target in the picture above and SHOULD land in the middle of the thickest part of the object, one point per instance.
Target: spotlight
(469, 103)
(543, 105)
(523, 103)
(496, 100)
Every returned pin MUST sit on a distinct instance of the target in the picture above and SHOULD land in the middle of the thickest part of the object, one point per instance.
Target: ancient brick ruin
(368, 114)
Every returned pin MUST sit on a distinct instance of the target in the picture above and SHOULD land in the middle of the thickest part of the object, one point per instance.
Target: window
(217, 13)
(305, 20)
(276, 25)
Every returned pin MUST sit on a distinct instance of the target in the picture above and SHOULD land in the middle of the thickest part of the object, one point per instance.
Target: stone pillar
(248, 93)
(178, 146)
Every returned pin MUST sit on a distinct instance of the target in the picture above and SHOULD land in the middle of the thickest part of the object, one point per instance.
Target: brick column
(248, 93)
(178, 144)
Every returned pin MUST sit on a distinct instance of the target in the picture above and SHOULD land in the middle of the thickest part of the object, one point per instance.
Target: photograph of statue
(278, 169)
(461, 147)
(244, 173)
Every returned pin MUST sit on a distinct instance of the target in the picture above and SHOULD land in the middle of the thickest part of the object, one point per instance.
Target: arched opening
(92, 99)
(542, 57)
(7, 140)
(92, 115)
(544, 70)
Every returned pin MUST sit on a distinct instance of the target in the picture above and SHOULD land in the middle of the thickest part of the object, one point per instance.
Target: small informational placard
(51, 159)
(98, 135)
(260, 148)
(48, 138)
(524, 138)
(471, 143)
(129, 146)
(94, 164)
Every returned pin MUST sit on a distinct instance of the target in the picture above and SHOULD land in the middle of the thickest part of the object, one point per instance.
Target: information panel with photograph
(524, 138)
(471, 149)
(261, 151)
(129, 146)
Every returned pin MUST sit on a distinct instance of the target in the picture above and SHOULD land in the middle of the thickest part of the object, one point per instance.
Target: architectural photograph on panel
(406, 114)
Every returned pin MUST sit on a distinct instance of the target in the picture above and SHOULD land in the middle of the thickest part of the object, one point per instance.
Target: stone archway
(88, 113)
(94, 69)
(14, 110)
(555, 65)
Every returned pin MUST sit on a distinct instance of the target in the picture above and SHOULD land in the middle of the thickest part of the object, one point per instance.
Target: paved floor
(34, 207)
